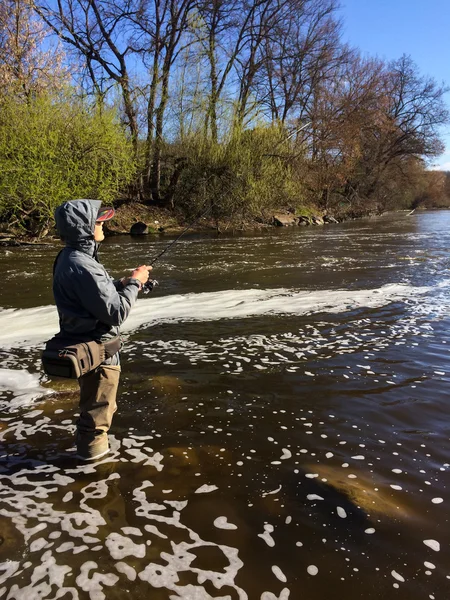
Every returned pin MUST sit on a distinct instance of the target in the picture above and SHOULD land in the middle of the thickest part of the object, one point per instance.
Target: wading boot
(92, 447)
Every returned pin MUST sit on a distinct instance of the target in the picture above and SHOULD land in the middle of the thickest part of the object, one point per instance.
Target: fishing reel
(149, 285)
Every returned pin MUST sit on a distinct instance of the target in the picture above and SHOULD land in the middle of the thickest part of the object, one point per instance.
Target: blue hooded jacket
(90, 304)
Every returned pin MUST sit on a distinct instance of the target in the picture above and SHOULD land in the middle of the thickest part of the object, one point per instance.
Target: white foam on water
(266, 536)
(8, 568)
(279, 574)
(206, 489)
(93, 584)
(222, 523)
(284, 595)
(397, 576)
(31, 326)
(121, 547)
(24, 386)
(433, 544)
(127, 570)
(272, 491)
(37, 588)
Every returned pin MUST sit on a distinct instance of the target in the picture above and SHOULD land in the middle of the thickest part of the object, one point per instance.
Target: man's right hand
(141, 273)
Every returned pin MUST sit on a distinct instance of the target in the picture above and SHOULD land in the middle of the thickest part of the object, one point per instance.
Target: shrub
(54, 149)
(244, 176)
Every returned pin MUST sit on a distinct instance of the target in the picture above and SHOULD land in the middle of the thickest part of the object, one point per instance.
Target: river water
(282, 432)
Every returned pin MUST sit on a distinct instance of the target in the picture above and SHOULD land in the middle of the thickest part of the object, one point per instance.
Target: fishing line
(173, 242)
(151, 283)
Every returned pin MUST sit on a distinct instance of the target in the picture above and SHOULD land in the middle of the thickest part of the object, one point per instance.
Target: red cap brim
(105, 214)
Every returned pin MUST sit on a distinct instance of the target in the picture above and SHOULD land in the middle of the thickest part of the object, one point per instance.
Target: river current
(283, 424)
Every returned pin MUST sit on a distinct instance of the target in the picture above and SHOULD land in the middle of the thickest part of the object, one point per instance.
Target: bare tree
(96, 29)
(302, 52)
(26, 65)
(262, 23)
(163, 23)
(405, 123)
(416, 110)
(121, 38)
(368, 123)
(219, 25)
(227, 34)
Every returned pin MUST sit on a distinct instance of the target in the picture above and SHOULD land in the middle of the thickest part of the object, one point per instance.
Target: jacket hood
(75, 223)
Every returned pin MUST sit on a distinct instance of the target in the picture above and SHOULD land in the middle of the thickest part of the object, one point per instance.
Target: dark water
(282, 432)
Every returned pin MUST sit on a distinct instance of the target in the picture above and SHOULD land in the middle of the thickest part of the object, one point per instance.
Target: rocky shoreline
(140, 220)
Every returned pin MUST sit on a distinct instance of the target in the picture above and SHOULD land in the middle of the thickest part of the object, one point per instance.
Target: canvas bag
(61, 358)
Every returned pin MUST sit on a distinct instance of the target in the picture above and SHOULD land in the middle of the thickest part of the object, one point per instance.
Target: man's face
(99, 234)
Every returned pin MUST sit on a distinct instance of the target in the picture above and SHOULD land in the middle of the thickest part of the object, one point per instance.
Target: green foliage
(244, 176)
(305, 210)
(54, 149)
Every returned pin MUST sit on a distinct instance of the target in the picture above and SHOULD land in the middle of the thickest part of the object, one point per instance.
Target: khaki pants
(98, 392)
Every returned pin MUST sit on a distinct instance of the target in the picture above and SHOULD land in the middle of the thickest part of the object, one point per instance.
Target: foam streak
(35, 325)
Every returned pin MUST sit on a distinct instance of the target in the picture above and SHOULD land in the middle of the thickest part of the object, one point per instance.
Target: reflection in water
(281, 426)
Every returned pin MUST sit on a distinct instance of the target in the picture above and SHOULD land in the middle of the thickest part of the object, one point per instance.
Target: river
(283, 423)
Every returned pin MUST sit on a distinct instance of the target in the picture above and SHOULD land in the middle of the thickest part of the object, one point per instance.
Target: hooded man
(92, 306)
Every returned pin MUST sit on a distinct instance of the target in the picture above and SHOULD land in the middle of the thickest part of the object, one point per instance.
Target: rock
(284, 220)
(361, 492)
(302, 220)
(328, 219)
(317, 220)
(139, 228)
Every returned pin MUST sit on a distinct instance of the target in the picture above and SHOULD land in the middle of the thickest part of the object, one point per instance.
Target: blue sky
(388, 29)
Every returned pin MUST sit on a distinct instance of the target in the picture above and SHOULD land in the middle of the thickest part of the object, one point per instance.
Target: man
(92, 306)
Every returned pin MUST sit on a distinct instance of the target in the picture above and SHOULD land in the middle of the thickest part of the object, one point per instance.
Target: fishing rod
(151, 283)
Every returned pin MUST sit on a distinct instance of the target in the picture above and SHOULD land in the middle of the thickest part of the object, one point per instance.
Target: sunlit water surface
(283, 423)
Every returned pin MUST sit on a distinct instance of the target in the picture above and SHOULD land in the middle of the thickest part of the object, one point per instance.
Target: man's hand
(141, 273)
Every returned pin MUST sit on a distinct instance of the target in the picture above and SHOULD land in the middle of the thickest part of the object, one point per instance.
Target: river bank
(141, 219)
